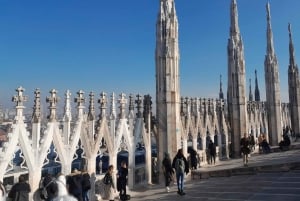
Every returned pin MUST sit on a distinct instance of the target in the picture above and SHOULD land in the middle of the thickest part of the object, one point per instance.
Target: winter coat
(20, 191)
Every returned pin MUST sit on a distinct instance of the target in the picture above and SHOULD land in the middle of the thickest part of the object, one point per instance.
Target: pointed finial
(221, 94)
(270, 46)
(291, 47)
(234, 28)
(256, 92)
(268, 11)
(250, 91)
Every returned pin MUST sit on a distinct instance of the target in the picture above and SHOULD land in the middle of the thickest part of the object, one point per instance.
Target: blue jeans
(85, 195)
(180, 178)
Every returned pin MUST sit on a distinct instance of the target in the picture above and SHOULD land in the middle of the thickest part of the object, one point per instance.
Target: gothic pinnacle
(257, 93)
(291, 48)
(250, 91)
(234, 28)
(270, 46)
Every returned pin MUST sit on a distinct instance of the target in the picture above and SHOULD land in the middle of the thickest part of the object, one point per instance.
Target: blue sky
(109, 46)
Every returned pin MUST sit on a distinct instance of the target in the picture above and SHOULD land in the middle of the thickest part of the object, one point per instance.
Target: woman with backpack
(181, 166)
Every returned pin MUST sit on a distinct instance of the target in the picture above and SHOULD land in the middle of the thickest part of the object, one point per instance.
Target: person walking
(109, 186)
(181, 166)
(167, 170)
(245, 148)
(122, 177)
(212, 152)
(20, 191)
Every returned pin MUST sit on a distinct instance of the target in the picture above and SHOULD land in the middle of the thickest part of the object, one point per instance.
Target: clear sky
(103, 45)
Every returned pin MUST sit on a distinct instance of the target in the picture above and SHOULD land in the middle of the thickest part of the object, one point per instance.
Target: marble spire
(273, 102)
(167, 79)
(294, 86)
(250, 91)
(221, 94)
(236, 90)
(256, 92)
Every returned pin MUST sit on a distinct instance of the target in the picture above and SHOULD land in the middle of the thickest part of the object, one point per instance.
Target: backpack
(179, 165)
(43, 189)
(21, 196)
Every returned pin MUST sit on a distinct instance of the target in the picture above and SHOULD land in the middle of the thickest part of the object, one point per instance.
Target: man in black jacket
(122, 181)
(51, 187)
(20, 191)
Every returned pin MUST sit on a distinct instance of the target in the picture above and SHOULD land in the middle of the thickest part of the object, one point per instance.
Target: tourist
(212, 152)
(193, 158)
(86, 185)
(252, 142)
(62, 193)
(260, 140)
(122, 180)
(167, 170)
(50, 185)
(181, 166)
(20, 191)
(265, 146)
(109, 187)
(74, 182)
(245, 148)
(286, 142)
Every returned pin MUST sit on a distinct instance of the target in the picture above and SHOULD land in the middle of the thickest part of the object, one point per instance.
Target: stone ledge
(196, 174)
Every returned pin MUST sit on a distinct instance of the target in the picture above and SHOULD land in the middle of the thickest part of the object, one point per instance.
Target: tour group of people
(77, 185)
(73, 187)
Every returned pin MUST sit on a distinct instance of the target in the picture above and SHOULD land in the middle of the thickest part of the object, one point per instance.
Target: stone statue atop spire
(273, 102)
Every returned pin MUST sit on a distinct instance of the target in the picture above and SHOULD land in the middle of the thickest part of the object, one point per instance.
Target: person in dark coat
(193, 157)
(86, 185)
(285, 142)
(212, 152)
(245, 148)
(122, 180)
(167, 170)
(74, 182)
(181, 166)
(20, 191)
(51, 187)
